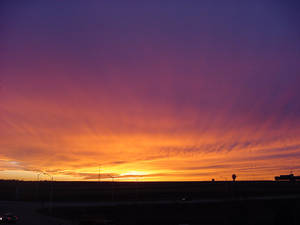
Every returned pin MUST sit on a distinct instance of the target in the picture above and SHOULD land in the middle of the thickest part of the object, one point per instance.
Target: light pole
(137, 189)
(37, 186)
(50, 193)
(51, 188)
(99, 173)
(112, 188)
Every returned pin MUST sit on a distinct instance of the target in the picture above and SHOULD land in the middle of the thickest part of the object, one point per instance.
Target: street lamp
(51, 188)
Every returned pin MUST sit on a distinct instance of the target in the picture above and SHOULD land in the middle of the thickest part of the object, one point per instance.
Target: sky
(149, 90)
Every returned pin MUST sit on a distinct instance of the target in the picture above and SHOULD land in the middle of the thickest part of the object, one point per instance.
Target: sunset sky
(149, 90)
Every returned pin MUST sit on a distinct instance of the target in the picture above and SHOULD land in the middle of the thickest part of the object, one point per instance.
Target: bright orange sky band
(169, 91)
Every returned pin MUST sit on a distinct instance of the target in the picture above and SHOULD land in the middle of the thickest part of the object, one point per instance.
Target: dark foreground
(228, 212)
(154, 203)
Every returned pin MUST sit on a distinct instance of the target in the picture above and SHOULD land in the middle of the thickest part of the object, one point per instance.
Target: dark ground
(232, 212)
(261, 202)
(141, 191)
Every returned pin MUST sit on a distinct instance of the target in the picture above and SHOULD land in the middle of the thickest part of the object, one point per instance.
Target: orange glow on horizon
(174, 91)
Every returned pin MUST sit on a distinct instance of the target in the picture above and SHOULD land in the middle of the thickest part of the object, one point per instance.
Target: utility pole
(137, 189)
(37, 186)
(99, 173)
(17, 190)
(112, 188)
(50, 191)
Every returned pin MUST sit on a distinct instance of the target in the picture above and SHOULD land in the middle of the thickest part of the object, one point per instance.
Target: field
(260, 202)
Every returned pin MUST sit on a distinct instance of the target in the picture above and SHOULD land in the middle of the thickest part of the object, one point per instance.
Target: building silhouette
(289, 177)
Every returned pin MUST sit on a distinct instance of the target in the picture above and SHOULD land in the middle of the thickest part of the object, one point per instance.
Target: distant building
(289, 177)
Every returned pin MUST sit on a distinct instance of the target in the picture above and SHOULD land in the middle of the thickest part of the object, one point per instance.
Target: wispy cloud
(184, 102)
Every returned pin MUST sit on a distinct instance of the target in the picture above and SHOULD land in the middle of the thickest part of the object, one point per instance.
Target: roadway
(169, 202)
(28, 215)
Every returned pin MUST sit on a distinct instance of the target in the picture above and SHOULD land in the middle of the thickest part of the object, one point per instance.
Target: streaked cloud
(157, 91)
